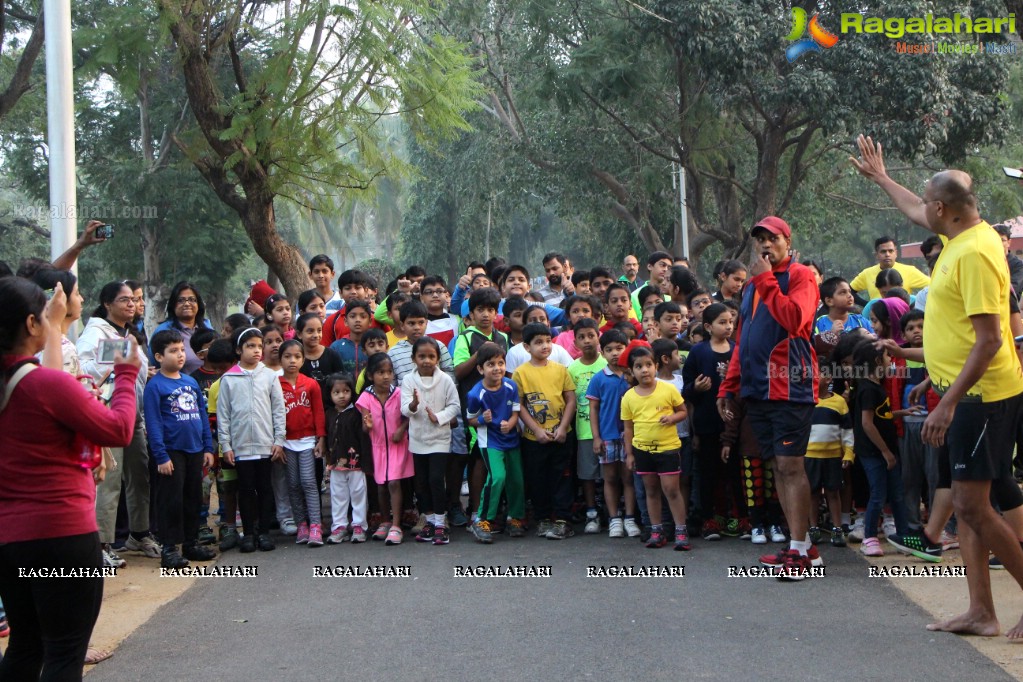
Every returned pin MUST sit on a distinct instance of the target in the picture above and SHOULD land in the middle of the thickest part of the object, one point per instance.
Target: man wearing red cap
(774, 370)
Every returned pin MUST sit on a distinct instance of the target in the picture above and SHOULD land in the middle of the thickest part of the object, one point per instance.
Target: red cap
(260, 292)
(623, 359)
(774, 225)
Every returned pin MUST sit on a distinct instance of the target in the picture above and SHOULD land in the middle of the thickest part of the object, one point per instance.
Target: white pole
(60, 112)
(682, 210)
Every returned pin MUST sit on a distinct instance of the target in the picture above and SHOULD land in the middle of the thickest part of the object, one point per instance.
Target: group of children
(389, 406)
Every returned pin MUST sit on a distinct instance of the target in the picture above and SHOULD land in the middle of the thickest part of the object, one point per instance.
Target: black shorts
(657, 463)
(824, 472)
(781, 428)
(981, 439)
(687, 457)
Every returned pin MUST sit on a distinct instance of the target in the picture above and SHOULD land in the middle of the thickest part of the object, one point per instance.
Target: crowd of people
(773, 404)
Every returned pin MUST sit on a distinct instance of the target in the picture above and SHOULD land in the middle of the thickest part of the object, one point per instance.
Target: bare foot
(1015, 635)
(972, 624)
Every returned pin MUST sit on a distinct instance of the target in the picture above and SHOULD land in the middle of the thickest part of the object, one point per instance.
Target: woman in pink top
(47, 492)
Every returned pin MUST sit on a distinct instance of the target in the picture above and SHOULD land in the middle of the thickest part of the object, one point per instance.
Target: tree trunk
(283, 258)
(153, 286)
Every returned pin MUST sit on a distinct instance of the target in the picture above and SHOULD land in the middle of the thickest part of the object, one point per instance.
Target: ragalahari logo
(819, 38)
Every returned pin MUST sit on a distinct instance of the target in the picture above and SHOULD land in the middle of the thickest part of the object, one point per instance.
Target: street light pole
(60, 120)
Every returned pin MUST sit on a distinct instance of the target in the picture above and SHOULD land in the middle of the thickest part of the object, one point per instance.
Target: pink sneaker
(315, 535)
(358, 535)
(303, 534)
(871, 547)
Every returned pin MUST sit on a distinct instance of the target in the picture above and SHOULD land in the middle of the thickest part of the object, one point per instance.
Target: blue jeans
(644, 514)
(885, 486)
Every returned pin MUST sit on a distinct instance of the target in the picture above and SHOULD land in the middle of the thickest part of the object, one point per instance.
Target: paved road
(286, 624)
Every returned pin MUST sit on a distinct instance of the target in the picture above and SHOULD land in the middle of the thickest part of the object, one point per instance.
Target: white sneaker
(111, 560)
(856, 534)
(888, 526)
(776, 534)
(759, 537)
(632, 528)
(615, 528)
(592, 523)
(288, 527)
(147, 545)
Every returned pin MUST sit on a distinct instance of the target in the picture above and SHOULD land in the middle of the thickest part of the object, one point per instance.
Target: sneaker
(745, 530)
(441, 536)
(206, 535)
(481, 531)
(995, 563)
(420, 524)
(228, 538)
(917, 545)
(516, 529)
(394, 536)
(111, 559)
(247, 545)
(5, 629)
(426, 533)
(197, 552)
(464, 492)
(657, 540)
(779, 559)
(543, 527)
(731, 528)
(632, 528)
(358, 535)
(147, 544)
(303, 534)
(337, 536)
(170, 557)
(382, 530)
(266, 543)
(795, 567)
(871, 547)
(758, 536)
(457, 516)
(315, 535)
(837, 537)
(776, 534)
(560, 530)
(888, 526)
(616, 528)
(711, 530)
(949, 541)
(288, 527)
(682, 541)
(592, 523)
(815, 535)
(856, 534)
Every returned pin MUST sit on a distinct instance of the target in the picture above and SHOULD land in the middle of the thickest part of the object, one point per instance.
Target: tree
(612, 92)
(304, 75)
(20, 67)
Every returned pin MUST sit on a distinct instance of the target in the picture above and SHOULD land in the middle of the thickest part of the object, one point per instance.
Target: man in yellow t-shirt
(886, 251)
(547, 395)
(973, 364)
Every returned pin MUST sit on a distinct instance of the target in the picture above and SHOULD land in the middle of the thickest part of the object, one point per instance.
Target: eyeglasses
(188, 299)
(124, 299)
(433, 292)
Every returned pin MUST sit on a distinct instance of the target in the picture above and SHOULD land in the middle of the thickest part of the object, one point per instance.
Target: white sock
(801, 547)
(432, 518)
(846, 519)
(442, 521)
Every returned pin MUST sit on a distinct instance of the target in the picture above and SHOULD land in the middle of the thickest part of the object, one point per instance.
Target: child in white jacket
(429, 399)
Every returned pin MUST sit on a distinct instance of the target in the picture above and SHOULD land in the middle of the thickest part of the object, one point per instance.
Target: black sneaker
(228, 539)
(247, 545)
(170, 557)
(837, 537)
(560, 531)
(198, 553)
(206, 535)
(441, 536)
(427, 533)
(815, 535)
(644, 535)
(917, 545)
(266, 543)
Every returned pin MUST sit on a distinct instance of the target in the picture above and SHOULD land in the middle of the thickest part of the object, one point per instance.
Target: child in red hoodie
(306, 433)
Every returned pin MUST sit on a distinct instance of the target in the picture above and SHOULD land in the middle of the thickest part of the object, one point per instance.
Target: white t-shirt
(518, 355)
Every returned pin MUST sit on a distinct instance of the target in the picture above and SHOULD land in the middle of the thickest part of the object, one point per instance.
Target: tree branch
(19, 84)
(854, 202)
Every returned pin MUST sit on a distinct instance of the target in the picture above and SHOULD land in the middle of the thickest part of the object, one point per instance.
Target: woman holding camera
(49, 427)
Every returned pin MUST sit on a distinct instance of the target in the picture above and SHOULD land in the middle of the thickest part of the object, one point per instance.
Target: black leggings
(179, 498)
(255, 495)
(431, 482)
(51, 618)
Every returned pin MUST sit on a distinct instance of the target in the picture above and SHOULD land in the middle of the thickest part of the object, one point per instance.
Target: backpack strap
(13, 382)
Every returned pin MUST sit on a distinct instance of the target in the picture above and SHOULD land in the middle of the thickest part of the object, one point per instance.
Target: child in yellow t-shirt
(650, 411)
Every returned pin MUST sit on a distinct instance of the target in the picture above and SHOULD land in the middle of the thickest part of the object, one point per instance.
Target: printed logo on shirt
(184, 405)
